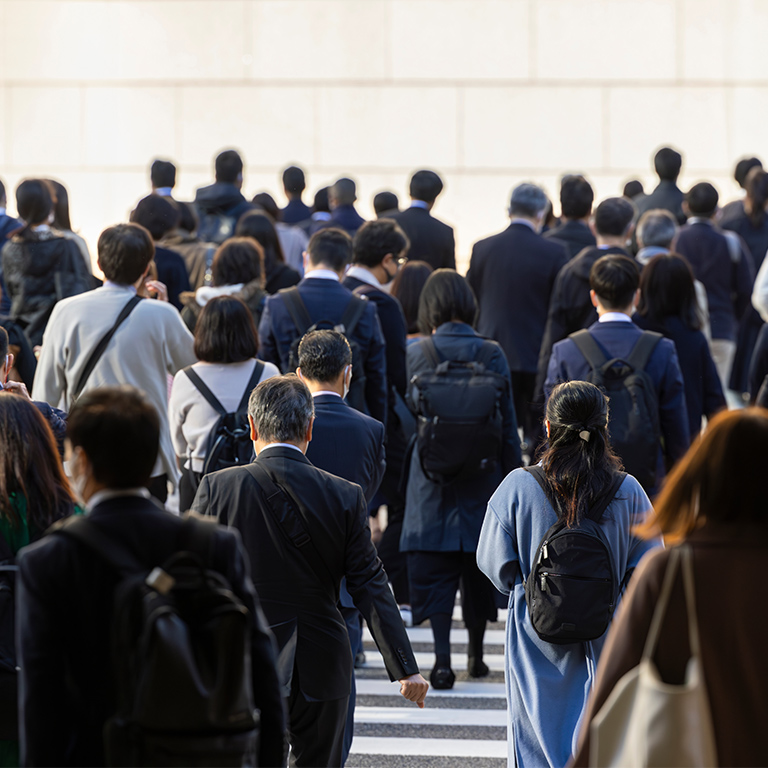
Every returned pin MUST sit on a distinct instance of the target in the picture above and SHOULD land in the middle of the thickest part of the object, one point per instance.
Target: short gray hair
(528, 200)
(657, 228)
(281, 409)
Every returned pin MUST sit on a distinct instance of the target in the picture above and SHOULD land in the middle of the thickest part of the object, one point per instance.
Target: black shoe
(477, 668)
(442, 678)
(360, 659)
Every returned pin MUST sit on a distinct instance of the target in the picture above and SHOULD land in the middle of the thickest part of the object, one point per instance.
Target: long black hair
(578, 460)
(667, 289)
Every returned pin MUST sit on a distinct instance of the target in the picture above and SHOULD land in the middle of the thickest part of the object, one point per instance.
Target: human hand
(16, 388)
(414, 688)
(157, 288)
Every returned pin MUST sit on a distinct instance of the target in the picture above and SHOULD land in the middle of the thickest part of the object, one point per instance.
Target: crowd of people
(354, 432)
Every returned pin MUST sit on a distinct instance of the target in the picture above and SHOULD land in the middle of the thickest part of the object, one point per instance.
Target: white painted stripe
(468, 689)
(458, 617)
(375, 745)
(426, 661)
(424, 635)
(430, 716)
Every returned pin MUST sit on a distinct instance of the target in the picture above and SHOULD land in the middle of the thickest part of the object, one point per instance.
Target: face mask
(78, 478)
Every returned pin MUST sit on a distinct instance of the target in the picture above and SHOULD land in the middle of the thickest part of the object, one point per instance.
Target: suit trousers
(529, 413)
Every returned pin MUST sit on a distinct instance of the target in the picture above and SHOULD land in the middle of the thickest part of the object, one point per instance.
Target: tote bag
(647, 722)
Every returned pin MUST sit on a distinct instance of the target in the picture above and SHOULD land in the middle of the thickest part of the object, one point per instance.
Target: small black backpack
(215, 227)
(229, 441)
(633, 421)
(459, 432)
(349, 320)
(181, 654)
(572, 589)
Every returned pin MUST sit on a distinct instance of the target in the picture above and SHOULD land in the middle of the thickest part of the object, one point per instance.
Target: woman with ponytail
(548, 684)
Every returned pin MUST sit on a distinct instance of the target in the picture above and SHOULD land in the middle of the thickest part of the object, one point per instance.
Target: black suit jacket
(299, 603)
(667, 196)
(431, 240)
(574, 235)
(512, 274)
(64, 602)
(347, 443)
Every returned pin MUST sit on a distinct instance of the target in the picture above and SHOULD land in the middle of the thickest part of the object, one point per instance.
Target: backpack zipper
(544, 574)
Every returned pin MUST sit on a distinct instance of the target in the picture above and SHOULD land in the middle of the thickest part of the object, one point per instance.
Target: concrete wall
(487, 92)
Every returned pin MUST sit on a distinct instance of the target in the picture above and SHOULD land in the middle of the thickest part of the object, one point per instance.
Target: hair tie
(585, 435)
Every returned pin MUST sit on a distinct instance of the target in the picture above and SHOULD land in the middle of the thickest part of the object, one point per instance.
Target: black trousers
(188, 484)
(158, 487)
(529, 413)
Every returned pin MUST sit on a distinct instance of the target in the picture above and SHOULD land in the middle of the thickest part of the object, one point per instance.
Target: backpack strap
(541, 479)
(602, 502)
(352, 314)
(258, 369)
(487, 351)
(101, 347)
(296, 309)
(588, 347)
(430, 351)
(291, 521)
(641, 352)
(202, 388)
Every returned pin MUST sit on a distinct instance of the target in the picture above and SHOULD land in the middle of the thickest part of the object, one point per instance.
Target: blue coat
(327, 300)
(617, 340)
(448, 518)
(347, 218)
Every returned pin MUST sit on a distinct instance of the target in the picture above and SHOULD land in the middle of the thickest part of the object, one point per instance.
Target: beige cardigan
(151, 344)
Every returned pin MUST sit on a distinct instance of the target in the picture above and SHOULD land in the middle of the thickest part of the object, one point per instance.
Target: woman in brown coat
(715, 502)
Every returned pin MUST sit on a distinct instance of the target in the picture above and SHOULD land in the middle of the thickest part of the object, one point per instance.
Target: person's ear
(593, 298)
(592, 227)
(8, 367)
(254, 433)
(547, 425)
(298, 373)
(308, 436)
(348, 375)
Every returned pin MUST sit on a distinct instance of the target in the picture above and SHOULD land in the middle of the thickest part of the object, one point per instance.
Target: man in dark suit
(278, 503)
(7, 225)
(576, 198)
(614, 282)
(345, 443)
(512, 274)
(294, 184)
(431, 240)
(330, 250)
(667, 194)
(67, 692)
(341, 199)
(570, 308)
(385, 204)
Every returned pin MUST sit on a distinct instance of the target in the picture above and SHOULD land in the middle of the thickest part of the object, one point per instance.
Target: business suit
(574, 234)
(296, 212)
(512, 274)
(345, 217)
(66, 692)
(431, 240)
(326, 300)
(299, 603)
(617, 340)
(666, 196)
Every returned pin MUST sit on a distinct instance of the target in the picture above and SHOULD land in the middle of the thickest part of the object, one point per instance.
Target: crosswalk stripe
(374, 745)
(425, 661)
(434, 716)
(424, 635)
(468, 689)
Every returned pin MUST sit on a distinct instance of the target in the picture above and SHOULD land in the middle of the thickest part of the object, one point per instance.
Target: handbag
(647, 722)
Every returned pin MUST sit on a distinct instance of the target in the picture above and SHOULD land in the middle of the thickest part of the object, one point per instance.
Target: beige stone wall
(487, 92)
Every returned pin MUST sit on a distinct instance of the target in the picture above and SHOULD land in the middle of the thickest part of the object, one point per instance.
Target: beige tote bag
(647, 722)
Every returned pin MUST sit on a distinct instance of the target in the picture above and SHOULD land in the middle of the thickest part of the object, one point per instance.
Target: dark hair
(3, 196)
(238, 260)
(757, 195)
(344, 191)
(162, 174)
(30, 466)
(613, 216)
(578, 471)
(4, 345)
(157, 215)
(576, 197)
(258, 226)
(407, 287)
(375, 239)
(188, 219)
(426, 186)
(656, 227)
(383, 202)
(719, 481)
(60, 197)
(668, 163)
(743, 167)
(281, 408)
(320, 203)
(225, 332)
(119, 430)
(228, 166)
(331, 247)
(34, 203)
(446, 296)
(632, 188)
(323, 355)
(125, 252)
(615, 279)
(293, 180)
(266, 202)
(667, 290)
(702, 199)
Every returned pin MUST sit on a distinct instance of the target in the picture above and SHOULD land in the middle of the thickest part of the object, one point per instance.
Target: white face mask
(78, 478)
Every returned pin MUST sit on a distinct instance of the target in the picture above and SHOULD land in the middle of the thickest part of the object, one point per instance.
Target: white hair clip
(585, 435)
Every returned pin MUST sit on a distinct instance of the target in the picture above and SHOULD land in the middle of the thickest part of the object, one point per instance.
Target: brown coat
(730, 566)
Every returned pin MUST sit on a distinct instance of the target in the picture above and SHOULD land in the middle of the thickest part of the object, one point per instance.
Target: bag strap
(258, 369)
(588, 347)
(296, 309)
(281, 505)
(641, 352)
(352, 314)
(100, 348)
(202, 388)
(430, 350)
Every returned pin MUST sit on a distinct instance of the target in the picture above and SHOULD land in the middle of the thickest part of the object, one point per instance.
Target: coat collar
(278, 452)
(455, 329)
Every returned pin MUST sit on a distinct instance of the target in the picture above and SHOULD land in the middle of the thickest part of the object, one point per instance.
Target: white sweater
(191, 416)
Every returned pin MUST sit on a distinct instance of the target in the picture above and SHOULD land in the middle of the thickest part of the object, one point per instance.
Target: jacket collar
(279, 452)
(329, 399)
(455, 329)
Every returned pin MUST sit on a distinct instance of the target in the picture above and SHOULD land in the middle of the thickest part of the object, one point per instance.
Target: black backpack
(459, 432)
(349, 320)
(633, 422)
(572, 589)
(229, 441)
(215, 227)
(181, 653)
(9, 722)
